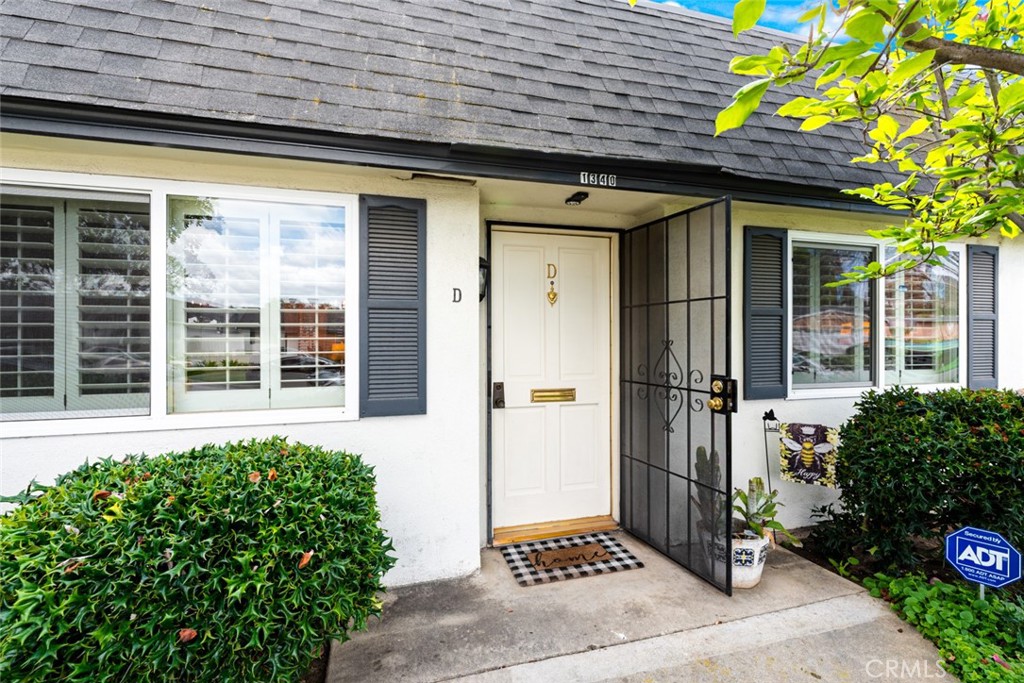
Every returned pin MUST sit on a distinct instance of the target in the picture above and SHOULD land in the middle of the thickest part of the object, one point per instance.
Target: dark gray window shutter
(393, 313)
(765, 313)
(982, 317)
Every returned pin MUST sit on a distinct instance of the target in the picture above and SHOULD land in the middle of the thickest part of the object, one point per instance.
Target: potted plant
(757, 508)
(712, 507)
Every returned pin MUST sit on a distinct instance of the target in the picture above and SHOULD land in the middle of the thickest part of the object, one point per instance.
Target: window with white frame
(256, 304)
(806, 333)
(263, 307)
(831, 325)
(74, 303)
(922, 323)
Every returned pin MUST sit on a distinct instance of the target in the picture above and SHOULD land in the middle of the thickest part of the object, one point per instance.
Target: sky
(780, 14)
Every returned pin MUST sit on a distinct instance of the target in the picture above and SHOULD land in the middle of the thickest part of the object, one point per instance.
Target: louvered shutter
(983, 322)
(765, 314)
(393, 311)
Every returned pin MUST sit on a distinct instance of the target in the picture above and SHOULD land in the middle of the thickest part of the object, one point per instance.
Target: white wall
(427, 467)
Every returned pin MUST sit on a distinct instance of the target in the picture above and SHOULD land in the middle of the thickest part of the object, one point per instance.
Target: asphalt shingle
(589, 77)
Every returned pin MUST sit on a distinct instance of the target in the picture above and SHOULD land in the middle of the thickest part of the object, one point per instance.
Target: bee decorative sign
(808, 453)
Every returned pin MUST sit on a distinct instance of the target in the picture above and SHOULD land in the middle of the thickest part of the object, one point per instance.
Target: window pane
(257, 304)
(74, 283)
(27, 302)
(922, 327)
(831, 325)
(312, 302)
(215, 251)
(113, 302)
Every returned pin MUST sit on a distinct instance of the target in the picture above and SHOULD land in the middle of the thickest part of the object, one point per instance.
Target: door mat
(555, 559)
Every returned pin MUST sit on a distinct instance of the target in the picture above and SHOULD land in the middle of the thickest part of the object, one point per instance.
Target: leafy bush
(226, 563)
(980, 640)
(917, 465)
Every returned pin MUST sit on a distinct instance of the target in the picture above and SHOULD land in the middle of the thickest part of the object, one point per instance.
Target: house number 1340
(599, 179)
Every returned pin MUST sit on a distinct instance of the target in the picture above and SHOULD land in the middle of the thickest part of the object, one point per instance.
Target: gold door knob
(715, 403)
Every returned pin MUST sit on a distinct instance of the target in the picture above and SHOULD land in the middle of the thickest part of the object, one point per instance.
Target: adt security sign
(982, 556)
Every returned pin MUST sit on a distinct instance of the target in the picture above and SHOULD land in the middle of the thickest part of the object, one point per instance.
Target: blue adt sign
(983, 557)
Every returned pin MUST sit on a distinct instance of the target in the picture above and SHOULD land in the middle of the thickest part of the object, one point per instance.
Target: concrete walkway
(658, 624)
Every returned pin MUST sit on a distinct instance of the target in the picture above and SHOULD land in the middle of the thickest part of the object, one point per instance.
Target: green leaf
(816, 122)
(746, 14)
(854, 48)
(887, 126)
(754, 64)
(813, 13)
(745, 101)
(1011, 95)
(912, 66)
(798, 106)
(866, 26)
(916, 128)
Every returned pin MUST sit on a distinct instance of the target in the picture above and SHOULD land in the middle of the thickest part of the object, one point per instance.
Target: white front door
(551, 352)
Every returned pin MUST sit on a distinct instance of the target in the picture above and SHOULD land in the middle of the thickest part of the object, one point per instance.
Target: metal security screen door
(677, 395)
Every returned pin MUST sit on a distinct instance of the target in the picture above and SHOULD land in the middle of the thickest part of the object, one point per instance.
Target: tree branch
(952, 52)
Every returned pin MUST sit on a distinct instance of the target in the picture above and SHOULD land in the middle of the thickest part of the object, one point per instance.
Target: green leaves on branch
(902, 71)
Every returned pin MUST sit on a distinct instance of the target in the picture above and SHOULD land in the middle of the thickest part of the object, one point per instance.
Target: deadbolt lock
(723, 395)
(498, 395)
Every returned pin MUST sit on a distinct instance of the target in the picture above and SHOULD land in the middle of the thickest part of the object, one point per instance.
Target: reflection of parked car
(112, 357)
(302, 369)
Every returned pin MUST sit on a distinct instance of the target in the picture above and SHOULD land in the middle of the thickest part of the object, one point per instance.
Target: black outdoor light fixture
(484, 276)
(576, 198)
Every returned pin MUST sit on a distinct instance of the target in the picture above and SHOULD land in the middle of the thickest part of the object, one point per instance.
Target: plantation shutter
(765, 314)
(31, 235)
(393, 310)
(982, 320)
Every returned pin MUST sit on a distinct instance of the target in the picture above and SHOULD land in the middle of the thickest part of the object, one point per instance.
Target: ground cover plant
(979, 640)
(912, 468)
(233, 562)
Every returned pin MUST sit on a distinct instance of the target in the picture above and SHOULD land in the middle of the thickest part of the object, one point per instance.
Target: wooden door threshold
(567, 527)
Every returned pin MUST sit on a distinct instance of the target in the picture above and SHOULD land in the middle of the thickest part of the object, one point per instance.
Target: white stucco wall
(427, 466)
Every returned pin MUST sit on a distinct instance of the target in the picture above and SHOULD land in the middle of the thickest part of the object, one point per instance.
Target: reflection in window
(257, 304)
(831, 330)
(922, 330)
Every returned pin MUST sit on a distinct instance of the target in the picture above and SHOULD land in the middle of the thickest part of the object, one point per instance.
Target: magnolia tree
(938, 88)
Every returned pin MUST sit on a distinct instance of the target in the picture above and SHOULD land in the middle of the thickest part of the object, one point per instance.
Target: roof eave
(61, 119)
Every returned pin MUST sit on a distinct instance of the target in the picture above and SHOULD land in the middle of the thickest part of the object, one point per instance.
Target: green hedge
(235, 562)
(918, 465)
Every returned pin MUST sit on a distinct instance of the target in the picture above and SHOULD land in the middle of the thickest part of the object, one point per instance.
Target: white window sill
(818, 394)
(856, 392)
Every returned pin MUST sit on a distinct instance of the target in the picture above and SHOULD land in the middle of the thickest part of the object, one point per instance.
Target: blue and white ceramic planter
(748, 556)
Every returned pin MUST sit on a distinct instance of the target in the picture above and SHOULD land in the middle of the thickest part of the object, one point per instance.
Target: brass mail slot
(552, 395)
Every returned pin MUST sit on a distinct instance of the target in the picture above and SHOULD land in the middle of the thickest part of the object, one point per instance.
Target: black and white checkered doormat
(517, 557)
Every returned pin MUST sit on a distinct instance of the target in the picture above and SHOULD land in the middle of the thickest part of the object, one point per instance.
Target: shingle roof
(587, 77)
